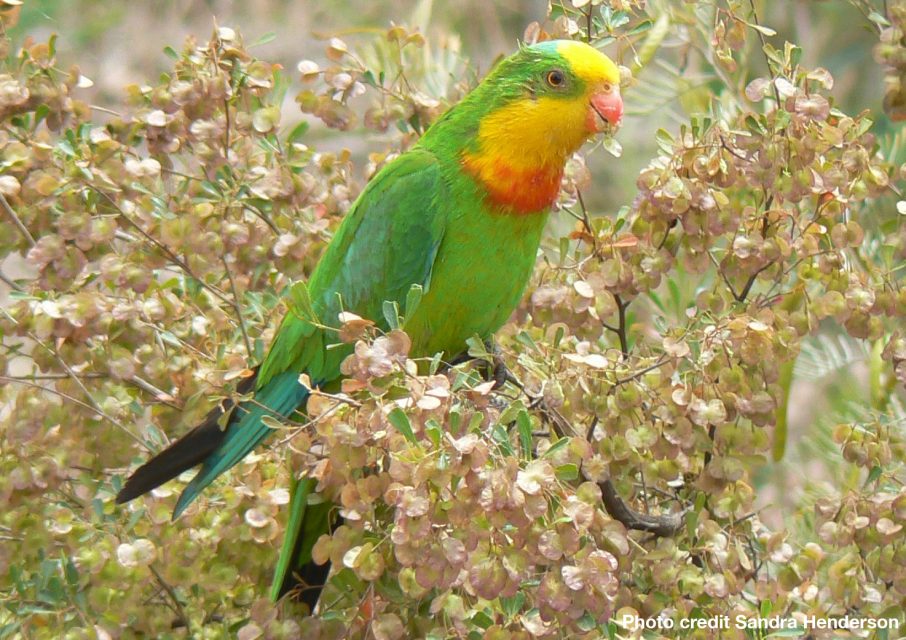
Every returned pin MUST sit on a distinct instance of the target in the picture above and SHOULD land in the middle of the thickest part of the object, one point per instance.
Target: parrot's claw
(495, 371)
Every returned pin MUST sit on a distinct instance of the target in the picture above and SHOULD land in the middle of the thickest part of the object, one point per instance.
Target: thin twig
(9, 282)
(78, 402)
(587, 223)
(159, 394)
(751, 281)
(176, 604)
(638, 374)
(764, 43)
(237, 308)
(55, 376)
(175, 259)
(100, 109)
(16, 221)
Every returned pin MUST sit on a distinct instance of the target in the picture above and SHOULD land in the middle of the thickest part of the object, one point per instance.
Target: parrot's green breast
(481, 269)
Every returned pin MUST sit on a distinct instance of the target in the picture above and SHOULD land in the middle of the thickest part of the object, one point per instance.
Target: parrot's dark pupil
(555, 78)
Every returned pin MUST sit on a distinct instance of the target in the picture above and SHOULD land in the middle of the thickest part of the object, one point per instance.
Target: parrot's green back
(459, 215)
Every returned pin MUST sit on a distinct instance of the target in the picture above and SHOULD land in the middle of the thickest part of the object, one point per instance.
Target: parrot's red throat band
(520, 191)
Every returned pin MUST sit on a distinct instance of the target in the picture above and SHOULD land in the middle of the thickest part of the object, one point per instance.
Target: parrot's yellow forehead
(588, 63)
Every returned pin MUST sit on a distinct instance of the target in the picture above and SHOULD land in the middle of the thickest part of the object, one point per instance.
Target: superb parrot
(460, 215)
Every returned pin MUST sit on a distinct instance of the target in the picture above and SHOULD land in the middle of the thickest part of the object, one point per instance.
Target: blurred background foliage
(160, 196)
(121, 44)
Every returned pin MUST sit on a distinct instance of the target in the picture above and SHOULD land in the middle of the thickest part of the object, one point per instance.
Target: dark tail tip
(190, 450)
(305, 584)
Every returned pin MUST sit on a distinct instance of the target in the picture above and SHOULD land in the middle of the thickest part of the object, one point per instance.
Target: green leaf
(786, 633)
(483, 620)
(300, 303)
(398, 418)
(502, 438)
(512, 606)
(612, 146)
(618, 20)
(586, 623)
(763, 30)
(873, 475)
(559, 444)
(212, 189)
(567, 472)
(70, 572)
(664, 140)
(40, 113)
(652, 42)
(391, 311)
(525, 339)
(436, 361)
(477, 348)
(524, 425)
(413, 298)
(297, 132)
(878, 19)
(434, 431)
(559, 334)
(641, 27)
(675, 297)
(270, 36)
(785, 382)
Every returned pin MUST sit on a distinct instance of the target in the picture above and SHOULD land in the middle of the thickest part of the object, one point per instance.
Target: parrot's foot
(500, 373)
(495, 370)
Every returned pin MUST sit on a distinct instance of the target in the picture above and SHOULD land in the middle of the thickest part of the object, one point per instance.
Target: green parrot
(460, 215)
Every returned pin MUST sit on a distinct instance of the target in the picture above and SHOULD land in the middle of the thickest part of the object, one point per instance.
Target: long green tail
(306, 523)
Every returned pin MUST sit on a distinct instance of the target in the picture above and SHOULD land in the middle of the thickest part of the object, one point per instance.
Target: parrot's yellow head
(534, 110)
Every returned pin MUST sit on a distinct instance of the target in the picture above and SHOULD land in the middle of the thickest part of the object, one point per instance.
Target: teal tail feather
(279, 398)
(296, 572)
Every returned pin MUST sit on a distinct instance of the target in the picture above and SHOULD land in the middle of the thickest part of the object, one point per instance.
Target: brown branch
(751, 281)
(638, 374)
(620, 329)
(664, 526)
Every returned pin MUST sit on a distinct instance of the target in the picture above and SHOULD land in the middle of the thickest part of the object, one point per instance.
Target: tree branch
(664, 526)
(620, 329)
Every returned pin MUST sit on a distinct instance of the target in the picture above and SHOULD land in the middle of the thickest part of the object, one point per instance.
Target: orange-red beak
(606, 110)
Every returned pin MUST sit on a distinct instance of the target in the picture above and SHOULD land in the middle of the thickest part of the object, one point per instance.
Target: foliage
(655, 349)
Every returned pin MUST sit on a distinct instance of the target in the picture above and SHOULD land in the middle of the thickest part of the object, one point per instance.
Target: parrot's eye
(556, 78)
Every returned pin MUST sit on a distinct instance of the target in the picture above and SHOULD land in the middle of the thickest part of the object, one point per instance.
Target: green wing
(387, 243)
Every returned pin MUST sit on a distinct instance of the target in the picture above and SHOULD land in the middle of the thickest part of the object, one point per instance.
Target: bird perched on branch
(448, 231)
